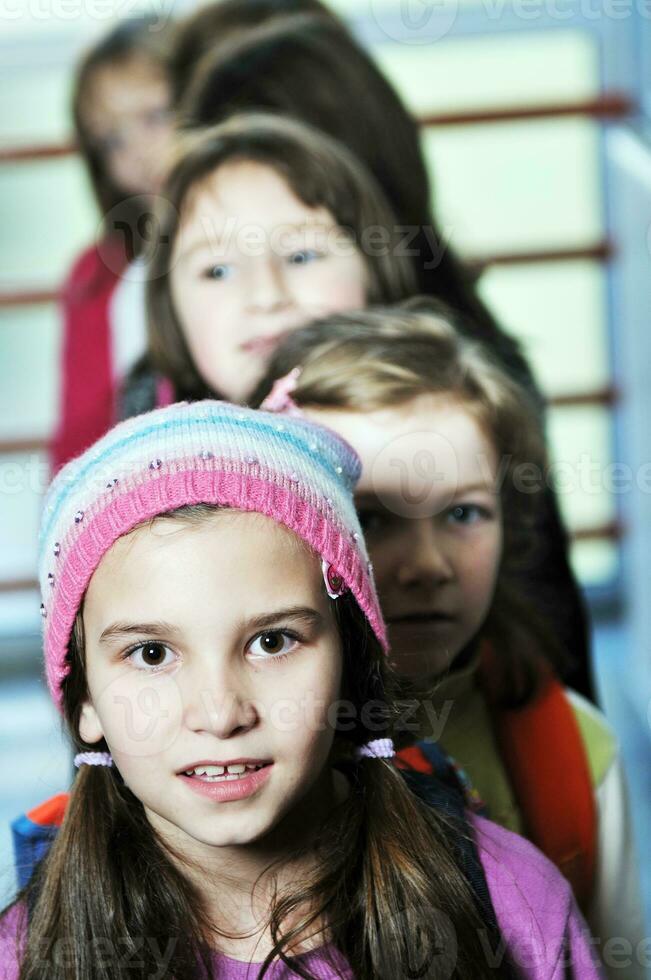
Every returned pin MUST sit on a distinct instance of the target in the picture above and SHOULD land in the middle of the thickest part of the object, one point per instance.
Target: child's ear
(90, 727)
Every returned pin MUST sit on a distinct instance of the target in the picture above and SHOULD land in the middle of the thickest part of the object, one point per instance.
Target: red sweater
(88, 384)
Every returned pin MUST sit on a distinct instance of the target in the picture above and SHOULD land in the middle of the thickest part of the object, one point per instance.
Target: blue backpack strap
(448, 770)
(444, 791)
(33, 833)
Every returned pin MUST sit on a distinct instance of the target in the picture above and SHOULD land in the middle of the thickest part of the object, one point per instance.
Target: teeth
(209, 771)
(223, 773)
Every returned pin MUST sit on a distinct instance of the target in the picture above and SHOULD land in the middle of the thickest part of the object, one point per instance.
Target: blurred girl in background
(123, 127)
(123, 99)
(263, 227)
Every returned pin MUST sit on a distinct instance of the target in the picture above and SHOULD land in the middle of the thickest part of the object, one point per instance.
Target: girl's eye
(149, 656)
(304, 256)
(467, 514)
(273, 643)
(111, 143)
(217, 272)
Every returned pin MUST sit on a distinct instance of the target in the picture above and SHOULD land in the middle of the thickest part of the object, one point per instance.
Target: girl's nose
(267, 287)
(218, 701)
(425, 560)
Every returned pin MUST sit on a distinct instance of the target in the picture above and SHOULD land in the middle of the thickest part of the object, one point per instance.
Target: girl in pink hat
(213, 639)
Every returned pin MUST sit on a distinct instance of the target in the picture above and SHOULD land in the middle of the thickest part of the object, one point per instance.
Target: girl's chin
(422, 666)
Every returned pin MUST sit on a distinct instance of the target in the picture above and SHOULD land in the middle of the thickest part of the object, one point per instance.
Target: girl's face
(129, 118)
(214, 664)
(252, 263)
(429, 504)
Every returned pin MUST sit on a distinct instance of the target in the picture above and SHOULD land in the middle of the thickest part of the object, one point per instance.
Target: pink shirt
(542, 928)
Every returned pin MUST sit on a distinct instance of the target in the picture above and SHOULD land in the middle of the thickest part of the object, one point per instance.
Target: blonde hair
(384, 358)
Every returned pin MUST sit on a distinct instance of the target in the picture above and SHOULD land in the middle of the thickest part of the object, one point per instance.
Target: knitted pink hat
(296, 472)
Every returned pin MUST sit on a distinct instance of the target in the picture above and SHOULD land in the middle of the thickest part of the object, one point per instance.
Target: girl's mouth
(264, 345)
(227, 783)
(220, 774)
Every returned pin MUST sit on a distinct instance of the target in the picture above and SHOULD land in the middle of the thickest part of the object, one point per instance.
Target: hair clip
(280, 398)
(93, 759)
(334, 583)
(379, 748)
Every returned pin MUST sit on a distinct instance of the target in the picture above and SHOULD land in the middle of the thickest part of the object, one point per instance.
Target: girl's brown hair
(385, 889)
(381, 358)
(310, 67)
(211, 24)
(319, 170)
(141, 39)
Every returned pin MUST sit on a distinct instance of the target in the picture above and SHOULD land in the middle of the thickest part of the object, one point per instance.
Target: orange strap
(413, 758)
(51, 812)
(546, 762)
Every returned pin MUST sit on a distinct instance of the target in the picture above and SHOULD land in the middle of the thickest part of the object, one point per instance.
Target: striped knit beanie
(298, 473)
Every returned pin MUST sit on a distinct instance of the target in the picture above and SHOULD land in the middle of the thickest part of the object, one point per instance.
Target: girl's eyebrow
(479, 487)
(127, 629)
(217, 244)
(383, 500)
(214, 246)
(305, 613)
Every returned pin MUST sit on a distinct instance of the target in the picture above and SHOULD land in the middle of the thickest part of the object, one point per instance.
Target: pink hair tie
(379, 748)
(280, 398)
(93, 759)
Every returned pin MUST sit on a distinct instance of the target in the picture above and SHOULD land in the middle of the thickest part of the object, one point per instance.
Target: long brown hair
(385, 357)
(385, 889)
(141, 39)
(320, 171)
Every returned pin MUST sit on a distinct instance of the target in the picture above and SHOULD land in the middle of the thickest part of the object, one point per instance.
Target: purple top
(541, 925)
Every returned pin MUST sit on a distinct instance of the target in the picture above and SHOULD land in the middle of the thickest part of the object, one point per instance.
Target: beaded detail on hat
(299, 474)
